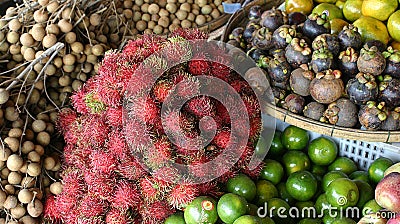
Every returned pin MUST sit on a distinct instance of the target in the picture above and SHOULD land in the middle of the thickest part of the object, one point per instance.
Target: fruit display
(338, 77)
(312, 188)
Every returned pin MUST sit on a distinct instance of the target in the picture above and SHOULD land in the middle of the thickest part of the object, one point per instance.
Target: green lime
(176, 218)
(201, 210)
(295, 138)
(322, 205)
(331, 176)
(366, 192)
(305, 209)
(294, 161)
(393, 25)
(379, 9)
(340, 4)
(372, 29)
(303, 6)
(267, 220)
(230, 207)
(322, 151)
(377, 169)
(247, 219)
(328, 219)
(334, 11)
(272, 171)
(284, 194)
(342, 193)
(344, 220)
(301, 185)
(326, 1)
(371, 207)
(278, 207)
(337, 25)
(242, 185)
(352, 9)
(318, 170)
(359, 175)
(277, 148)
(310, 221)
(265, 191)
(252, 209)
(343, 164)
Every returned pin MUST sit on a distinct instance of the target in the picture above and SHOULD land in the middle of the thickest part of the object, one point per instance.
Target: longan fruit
(49, 40)
(53, 29)
(98, 50)
(3, 197)
(35, 208)
(56, 188)
(12, 37)
(43, 2)
(18, 211)
(49, 163)
(27, 182)
(29, 54)
(34, 169)
(70, 37)
(27, 219)
(24, 168)
(9, 188)
(14, 178)
(153, 9)
(65, 26)
(34, 156)
(4, 154)
(10, 202)
(4, 95)
(40, 16)
(95, 19)
(29, 135)
(14, 162)
(12, 143)
(26, 39)
(69, 59)
(25, 196)
(15, 133)
(14, 25)
(27, 147)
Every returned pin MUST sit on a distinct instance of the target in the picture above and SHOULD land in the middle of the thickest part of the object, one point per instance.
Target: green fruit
(343, 164)
(242, 185)
(201, 210)
(284, 194)
(176, 218)
(366, 192)
(294, 161)
(301, 185)
(277, 149)
(322, 151)
(334, 11)
(265, 191)
(272, 171)
(295, 138)
(230, 207)
(377, 169)
(331, 176)
(322, 205)
(310, 221)
(371, 207)
(359, 175)
(247, 219)
(342, 193)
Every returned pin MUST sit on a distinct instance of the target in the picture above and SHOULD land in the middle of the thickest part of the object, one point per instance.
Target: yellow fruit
(303, 6)
(395, 45)
(340, 4)
(327, 1)
(379, 9)
(352, 9)
(372, 29)
(337, 25)
(393, 25)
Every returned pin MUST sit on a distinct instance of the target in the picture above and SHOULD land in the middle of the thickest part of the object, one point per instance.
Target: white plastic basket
(363, 153)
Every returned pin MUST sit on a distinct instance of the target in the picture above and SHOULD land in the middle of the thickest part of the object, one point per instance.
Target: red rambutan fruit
(145, 109)
(152, 188)
(199, 65)
(65, 118)
(174, 122)
(100, 185)
(50, 211)
(181, 195)
(114, 116)
(138, 137)
(200, 106)
(78, 101)
(116, 145)
(210, 124)
(94, 130)
(162, 89)
(131, 169)
(241, 86)
(255, 128)
(163, 146)
(189, 34)
(223, 138)
(167, 174)
(228, 175)
(116, 216)
(102, 162)
(220, 69)
(156, 211)
(252, 105)
(153, 159)
(140, 82)
(107, 91)
(210, 188)
(197, 166)
(255, 172)
(91, 206)
(187, 88)
(178, 50)
(126, 195)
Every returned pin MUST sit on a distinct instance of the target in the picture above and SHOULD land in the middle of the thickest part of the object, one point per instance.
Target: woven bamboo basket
(240, 19)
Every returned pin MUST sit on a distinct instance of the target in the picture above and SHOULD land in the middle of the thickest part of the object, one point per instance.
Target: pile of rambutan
(149, 133)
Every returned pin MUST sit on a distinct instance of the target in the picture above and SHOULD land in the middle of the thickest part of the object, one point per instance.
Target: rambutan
(228, 175)
(241, 86)
(176, 123)
(197, 166)
(157, 157)
(255, 128)
(126, 195)
(200, 106)
(116, 216)
(138, 137)
(189, 34)
(116, 145)
(102, 162)
(91, 206)
(156, 211)
(223, 138)
(50, 211)
(140, 82)
(65, 118)
(210, 124)
(210, 188)
(199, 65)
(149, 189)
(94, 130)
(181, 195)
(78, 101)
(253, 173)
(178, 50)
(168, 174)
(220, 68)
(161, 90)
(100, 185)
(144, 108)
(131, 169)
(187, 88)
(94, 103)
(252, 105)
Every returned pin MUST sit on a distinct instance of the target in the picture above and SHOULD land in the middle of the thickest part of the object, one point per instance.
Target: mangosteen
(277, 52)
(294, 103)
(234, 43)
(347, 62)
(272, 19)
(296, 18)
(342, 113)
(372, 115)
(392, 122)
(263, 61)
(377, 43)
(283, 36)
(249, 31)
(279, 69)
(316, 24)
(298, 52)
(321, 60)
(362, 88)
(255, 12)
(390, 91)
(262, 39)
(255, 53)
(279, 95)
(300, 80)
(237, 34)
(282, 85)
(314, 111)
(327, 86)
(392, 62)
(371, 61)
(350, 37)
(329, 41)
